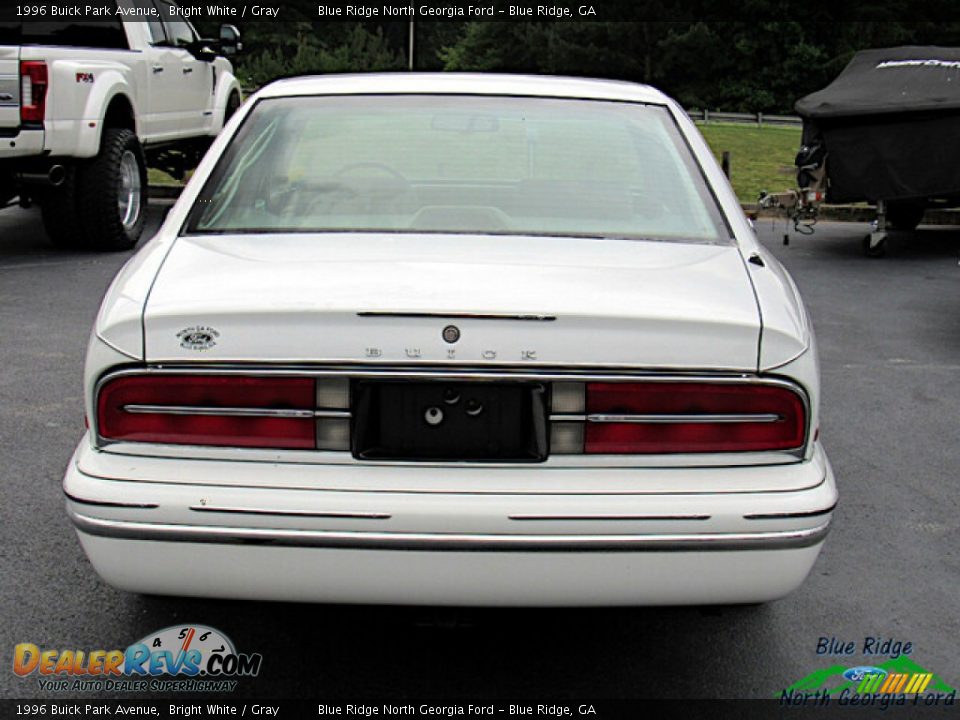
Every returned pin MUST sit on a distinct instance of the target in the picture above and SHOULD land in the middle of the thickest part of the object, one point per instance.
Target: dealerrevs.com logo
(181, 658)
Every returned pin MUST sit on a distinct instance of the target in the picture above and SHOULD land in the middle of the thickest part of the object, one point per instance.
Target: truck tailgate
(9, 87)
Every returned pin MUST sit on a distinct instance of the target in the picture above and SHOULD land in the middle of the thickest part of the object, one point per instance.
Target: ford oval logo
(857, 673)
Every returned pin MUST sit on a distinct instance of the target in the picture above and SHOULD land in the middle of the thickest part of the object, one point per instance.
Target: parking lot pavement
(889, 333)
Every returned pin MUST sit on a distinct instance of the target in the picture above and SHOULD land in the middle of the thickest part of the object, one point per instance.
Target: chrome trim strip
(451, 373)
(290, 513)
(235, 411)
(460, 315)
(450, 542)
(610, 517)
(659, 419)
(787, 516)
(110, 503)
(332, 414)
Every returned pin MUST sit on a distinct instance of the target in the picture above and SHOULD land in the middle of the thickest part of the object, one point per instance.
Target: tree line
(739, 65)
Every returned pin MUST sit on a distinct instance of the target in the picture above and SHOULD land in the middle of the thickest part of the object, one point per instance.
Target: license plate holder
(449, 420)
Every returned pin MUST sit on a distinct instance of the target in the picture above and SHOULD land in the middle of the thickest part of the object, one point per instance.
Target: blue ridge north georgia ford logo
(199, 337)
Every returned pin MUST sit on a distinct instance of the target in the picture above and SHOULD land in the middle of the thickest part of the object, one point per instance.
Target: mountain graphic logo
(899, 675)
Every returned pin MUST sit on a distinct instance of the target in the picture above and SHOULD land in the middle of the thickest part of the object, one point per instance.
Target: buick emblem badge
(451, 333)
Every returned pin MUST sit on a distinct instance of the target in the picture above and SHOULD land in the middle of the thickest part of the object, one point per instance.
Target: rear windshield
(459, 164)
(86, 34)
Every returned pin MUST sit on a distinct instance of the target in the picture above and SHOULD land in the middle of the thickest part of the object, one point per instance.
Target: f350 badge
(199, 337)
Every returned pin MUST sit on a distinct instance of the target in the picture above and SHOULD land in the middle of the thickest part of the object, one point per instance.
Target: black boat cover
(890, 123)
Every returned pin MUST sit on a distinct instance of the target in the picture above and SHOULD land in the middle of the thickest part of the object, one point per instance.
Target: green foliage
(757, 65)
(735, 66)
(301, 52)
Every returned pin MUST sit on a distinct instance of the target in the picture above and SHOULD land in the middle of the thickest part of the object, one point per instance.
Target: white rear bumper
(184, 537)
(26, 143)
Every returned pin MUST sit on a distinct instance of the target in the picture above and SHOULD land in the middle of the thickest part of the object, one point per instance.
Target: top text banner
(15, 11)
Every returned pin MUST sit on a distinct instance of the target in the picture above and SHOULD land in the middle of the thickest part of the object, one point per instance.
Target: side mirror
(230, 43)
(203, 50)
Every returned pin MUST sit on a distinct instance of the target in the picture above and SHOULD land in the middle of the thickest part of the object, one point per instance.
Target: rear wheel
(905, 215)
(112, 193)
(233, 104)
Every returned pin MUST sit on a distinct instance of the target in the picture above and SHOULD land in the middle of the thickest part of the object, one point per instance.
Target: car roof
(463, 84)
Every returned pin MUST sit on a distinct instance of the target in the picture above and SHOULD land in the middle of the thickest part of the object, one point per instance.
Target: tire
(233, 104)
(905, 215)
(58, 206)
(112, 193)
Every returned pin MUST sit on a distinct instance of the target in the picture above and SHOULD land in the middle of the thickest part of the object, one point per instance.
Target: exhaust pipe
(55, 176)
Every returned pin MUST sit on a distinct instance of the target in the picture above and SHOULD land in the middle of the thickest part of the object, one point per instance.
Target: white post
(410, 49)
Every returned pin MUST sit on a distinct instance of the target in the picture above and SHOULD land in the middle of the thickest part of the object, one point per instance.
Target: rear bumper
(184, 537)
(26, 143)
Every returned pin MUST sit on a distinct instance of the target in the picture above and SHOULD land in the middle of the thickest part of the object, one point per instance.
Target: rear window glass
(460, 164)
(101, 35)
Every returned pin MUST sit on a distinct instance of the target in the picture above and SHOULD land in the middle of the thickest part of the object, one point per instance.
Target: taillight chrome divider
(234, 411)
(647, 419)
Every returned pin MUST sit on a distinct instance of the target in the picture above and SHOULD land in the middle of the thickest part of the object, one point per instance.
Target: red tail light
(263, 412)
(33, 92)
(689, 417)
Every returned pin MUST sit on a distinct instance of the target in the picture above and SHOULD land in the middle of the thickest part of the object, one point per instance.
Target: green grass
(761, 158)
(159, 177)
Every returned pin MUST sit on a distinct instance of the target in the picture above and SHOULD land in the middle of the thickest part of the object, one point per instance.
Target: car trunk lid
(386, 298)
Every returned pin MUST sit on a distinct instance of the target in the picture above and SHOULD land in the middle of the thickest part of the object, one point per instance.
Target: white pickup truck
(85, 105)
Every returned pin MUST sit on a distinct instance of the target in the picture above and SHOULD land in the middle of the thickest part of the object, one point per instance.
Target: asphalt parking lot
(889, 334)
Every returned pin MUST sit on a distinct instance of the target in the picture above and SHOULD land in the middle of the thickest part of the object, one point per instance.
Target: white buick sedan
(454, 339)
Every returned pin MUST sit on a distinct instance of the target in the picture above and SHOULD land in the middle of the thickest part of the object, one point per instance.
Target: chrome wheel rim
(128, 202)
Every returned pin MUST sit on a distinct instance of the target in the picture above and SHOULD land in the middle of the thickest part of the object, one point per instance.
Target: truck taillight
(231, 410)
(691, 417)
(33, 92)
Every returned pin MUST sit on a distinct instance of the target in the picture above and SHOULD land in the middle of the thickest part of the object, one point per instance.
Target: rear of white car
(488, 381)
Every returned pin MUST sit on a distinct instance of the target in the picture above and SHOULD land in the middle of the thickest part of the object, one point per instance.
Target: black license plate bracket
(449, 420)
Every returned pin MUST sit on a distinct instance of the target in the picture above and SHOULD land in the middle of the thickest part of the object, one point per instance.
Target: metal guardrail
(757, 118)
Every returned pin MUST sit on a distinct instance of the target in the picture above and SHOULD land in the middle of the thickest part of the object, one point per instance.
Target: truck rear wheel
(112, 193)
(233, 104)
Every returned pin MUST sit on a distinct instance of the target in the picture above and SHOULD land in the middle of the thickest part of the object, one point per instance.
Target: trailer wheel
(112, 193)
(905, 215)
(874, 247)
